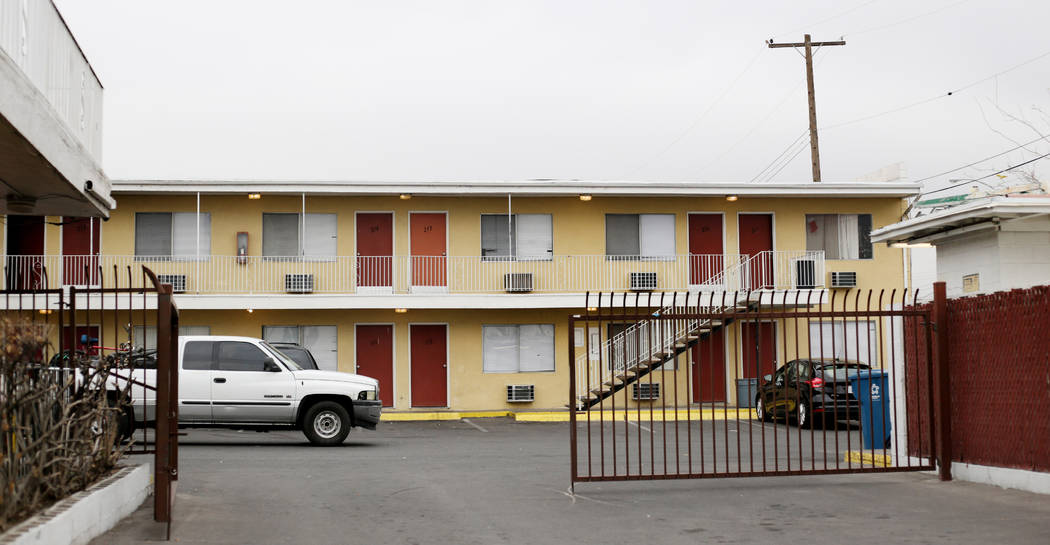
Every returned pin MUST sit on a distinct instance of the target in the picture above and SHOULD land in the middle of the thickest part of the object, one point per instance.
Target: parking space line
(479, 428)
(639, 426)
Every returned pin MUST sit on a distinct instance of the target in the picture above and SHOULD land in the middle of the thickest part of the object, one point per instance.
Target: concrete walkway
(483, 481)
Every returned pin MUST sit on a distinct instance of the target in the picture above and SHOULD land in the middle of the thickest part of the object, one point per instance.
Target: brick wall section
(999, 363)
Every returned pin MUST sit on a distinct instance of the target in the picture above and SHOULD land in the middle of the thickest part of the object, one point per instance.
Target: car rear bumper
(840, 409)
(367, 413)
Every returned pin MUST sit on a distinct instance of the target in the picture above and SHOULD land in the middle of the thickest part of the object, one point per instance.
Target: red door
(429, 344)
(709, 368)
(427, 232)
(25, 251)
(80, 249)
(705, 248)
(759, 347)
(82, 337)
(756, 236)
(375, 248)
(375, 358)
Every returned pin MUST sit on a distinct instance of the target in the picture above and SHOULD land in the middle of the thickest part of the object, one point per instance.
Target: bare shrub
(59, 425)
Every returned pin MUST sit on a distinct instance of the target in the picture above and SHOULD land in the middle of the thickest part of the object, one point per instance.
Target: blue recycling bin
(871, 388)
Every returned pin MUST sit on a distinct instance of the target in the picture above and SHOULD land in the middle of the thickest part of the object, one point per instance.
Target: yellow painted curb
(668, 415)
(440, 415)
(859, 457)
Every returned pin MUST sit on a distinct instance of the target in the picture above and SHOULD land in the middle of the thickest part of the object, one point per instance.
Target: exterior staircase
(644, 347)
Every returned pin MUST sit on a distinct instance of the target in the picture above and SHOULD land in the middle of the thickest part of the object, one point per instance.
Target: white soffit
(966, 216)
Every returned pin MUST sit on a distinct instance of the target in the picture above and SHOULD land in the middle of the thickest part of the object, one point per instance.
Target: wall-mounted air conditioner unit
(177, 281)
(299, 283)
(644, 391)
(803, 274)
(642, 281)
(517, 282)
(521, 393)
(843, 279)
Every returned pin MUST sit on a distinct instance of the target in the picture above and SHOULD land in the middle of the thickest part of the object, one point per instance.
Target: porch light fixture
(400, 310)
(911, 245)
(45, 311)
(585, 197)
(250, 311)
(732, 198)
(254, 196)
(405, 196)
(592, 309)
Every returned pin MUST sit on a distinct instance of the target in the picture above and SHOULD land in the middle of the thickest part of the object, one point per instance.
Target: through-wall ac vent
(643, 281)
(299, 283)
(517, 282)
(177, 281)
(645, 391)
(521, 393)
(844, 279)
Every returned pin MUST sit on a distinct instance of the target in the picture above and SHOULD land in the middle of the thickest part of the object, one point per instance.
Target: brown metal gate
(807, 357)
(129, 321)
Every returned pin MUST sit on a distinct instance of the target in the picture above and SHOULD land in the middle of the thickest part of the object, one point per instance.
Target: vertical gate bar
(626, 431)
(638, 383)
(944, 398)
(834, 400)
(572, 401)
(908, 323)
(678, 323)
(724, 318)
(663, 376)
(870, 368)
(856, 352)
(783, 321)
(758, 371)
(686, 309)
(888, 376)
(739, 350)
(809, 348)
(601, 398)
(893, 381)
(161, 470)
(794, 327)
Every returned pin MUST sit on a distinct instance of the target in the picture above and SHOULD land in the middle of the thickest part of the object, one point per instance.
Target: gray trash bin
(746, 390)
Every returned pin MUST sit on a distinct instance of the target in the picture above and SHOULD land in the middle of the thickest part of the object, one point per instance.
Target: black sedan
(809, 390)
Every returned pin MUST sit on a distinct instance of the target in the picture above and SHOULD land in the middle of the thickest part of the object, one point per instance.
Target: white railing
(418, 274)
(785, 269)
(34, 36)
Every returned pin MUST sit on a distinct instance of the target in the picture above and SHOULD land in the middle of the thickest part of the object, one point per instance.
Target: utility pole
(814, 148)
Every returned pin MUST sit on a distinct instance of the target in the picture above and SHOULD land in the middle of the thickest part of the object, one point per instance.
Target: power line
(931, 99)
(982, 160)
(699, 118)
(784, 164)
(907, 20)
(1019, 165)
(786, 151)
(832, 18)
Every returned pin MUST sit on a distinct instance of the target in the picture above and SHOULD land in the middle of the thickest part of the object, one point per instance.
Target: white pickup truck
(244, 383)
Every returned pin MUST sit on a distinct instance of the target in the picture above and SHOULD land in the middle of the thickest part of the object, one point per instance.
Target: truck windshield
(288, 362)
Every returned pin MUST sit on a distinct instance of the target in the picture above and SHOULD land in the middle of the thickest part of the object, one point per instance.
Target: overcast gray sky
(653, 90)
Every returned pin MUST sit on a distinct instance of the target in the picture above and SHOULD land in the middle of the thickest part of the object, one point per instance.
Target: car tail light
(816, 383)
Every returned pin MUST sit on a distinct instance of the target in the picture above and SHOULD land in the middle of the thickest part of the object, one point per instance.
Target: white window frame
(642, 232)
(834, 253)
(202, 244)
(303, 227)
(515, 240)
(518, 348)
(301, 340)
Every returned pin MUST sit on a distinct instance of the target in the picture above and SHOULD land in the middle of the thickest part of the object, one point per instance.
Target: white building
(985, 245)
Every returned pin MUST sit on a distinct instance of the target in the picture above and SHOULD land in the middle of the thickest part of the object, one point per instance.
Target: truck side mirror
(271, 366)
(768, 378)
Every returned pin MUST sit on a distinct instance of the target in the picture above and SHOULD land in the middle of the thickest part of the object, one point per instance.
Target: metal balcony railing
(367, 275)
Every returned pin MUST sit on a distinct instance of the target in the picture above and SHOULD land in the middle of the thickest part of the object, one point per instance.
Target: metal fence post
(942, 382)
(572, 400)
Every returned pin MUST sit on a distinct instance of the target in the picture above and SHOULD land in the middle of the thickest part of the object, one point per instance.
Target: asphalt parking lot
(499, 481)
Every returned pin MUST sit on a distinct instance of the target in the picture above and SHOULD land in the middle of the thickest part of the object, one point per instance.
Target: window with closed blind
(312, 238)
(526, 237)
(524, 348)
(639, 236)
(321, 340)
(175, 236)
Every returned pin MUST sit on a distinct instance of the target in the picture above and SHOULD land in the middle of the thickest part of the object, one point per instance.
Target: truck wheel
(326, 423)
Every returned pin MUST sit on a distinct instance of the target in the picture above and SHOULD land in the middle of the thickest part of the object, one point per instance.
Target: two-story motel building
(448, 292)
